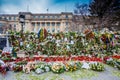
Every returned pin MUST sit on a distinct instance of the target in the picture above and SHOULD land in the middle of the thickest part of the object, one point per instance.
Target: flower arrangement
(29, 67)
(41, 68)
(2, 69)
(113, 62)
(83, 44)
(42, 34)
(97, 66)
(57, 68)
(6, 57)
(17, 68)
(116, 56)
(118, 64)
(21, 63)
(110, 61)
(92, 48)
(72, 66)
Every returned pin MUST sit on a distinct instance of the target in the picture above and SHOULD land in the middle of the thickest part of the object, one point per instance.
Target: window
(48, 17)
(38, 23)
(1, 24)
(1, 29)
(14, 18)
(35, 17)
(48, 23)
(53, 30)
(57, 17)
(58, 30)
(66, 23)
(39, 17)
(1, 17)
(66, 16)
(53, 17)
(9, 18)
(48, 30)
(58, 23)
(10, 28)
(42, 17)
(33, 24)
(15, 25)
(53, 23)
(43, 23)
(5, 18)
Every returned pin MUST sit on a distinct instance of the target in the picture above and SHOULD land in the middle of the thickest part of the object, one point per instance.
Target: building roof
(36, 13)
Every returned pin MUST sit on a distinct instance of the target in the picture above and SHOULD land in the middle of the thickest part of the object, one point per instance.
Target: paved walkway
(110, 73)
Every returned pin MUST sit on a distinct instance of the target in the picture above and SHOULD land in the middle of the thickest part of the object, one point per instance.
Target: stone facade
(34, 22)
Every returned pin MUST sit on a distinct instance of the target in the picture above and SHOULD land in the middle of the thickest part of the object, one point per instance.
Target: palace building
(34, 22)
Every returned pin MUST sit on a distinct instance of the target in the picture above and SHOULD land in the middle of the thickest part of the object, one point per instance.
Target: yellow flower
(71, 69)
(104, 46)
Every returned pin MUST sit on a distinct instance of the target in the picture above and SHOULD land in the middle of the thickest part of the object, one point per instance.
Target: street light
(22, 21)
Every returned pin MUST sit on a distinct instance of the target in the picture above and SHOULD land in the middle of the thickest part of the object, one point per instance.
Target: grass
(81, 74)
(39, 76)
(76, 75)
(116, 73)
(18, 76)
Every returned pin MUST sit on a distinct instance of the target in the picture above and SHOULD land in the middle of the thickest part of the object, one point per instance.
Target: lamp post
(22, 21)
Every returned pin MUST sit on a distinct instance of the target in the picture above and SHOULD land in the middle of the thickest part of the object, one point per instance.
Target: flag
(39, 33)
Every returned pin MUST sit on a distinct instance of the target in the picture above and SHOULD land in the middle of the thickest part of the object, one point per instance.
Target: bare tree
(82, 16)
(106, 12)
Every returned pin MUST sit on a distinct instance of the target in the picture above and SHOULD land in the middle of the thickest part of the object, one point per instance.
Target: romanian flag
(39, 33)
(42, 34)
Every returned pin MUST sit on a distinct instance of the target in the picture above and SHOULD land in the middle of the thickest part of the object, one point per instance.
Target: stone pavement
(110, 73)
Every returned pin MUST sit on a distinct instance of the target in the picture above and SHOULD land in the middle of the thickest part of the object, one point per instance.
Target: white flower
(39, 70)
(85, 65)
(47, 69)
(42, 66)
(72, 63)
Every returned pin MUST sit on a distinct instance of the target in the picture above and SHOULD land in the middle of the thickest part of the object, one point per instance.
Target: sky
(38, 6)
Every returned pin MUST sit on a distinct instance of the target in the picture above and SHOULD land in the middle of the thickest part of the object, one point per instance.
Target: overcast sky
(38, 6)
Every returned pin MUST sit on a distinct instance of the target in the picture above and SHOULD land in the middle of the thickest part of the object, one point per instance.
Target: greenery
(17, 68)
(116, 73)
(57, 68)
(6, 58)
(91, 43)
(81, 74)
(21, 63)
(18, 75)
(97, 66)
(114, 63)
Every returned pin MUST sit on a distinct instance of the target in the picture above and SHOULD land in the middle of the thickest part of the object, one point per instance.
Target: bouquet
(41, 68)
(97, 66)
(17, 68)
(57, 68)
